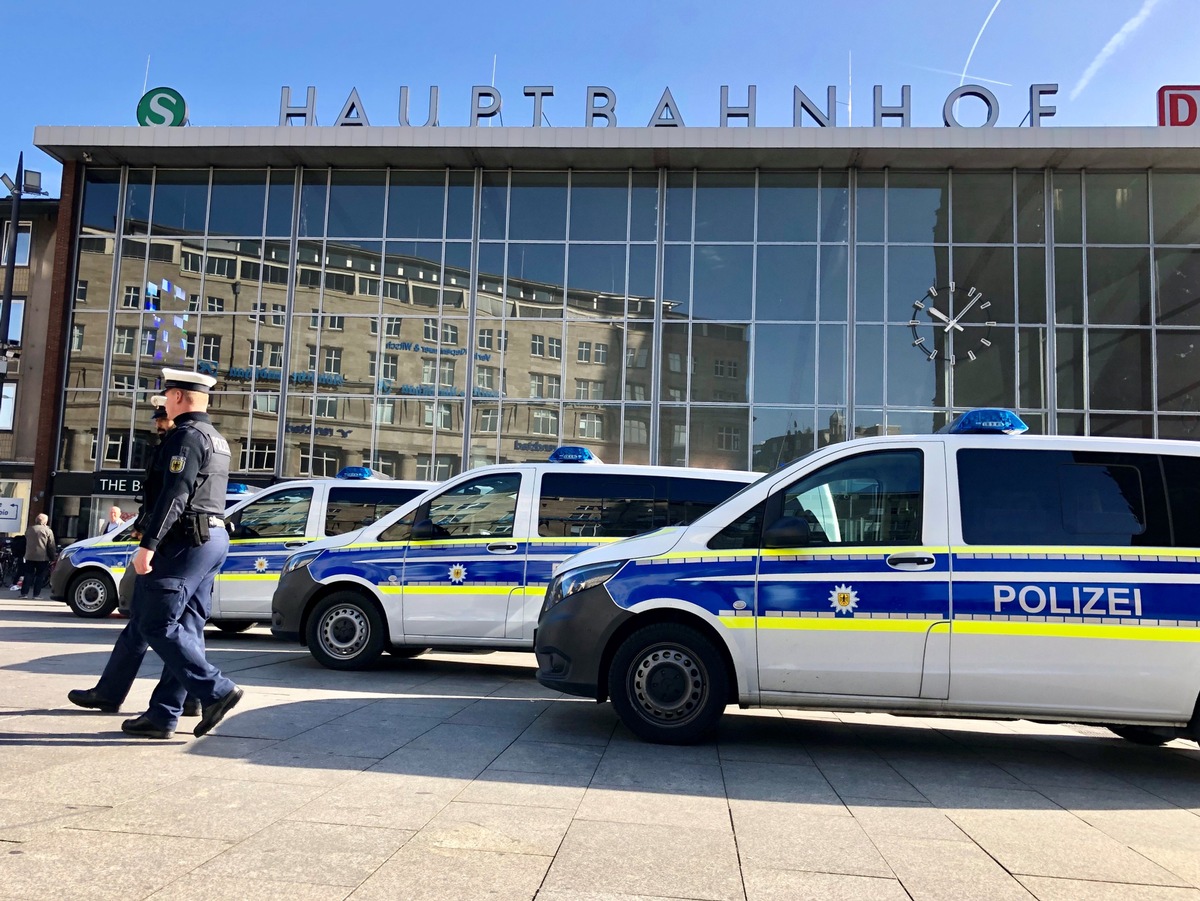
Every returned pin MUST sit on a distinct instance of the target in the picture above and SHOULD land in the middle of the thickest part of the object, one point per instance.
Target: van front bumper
(60, 578)
(572, 638)
(292, 594)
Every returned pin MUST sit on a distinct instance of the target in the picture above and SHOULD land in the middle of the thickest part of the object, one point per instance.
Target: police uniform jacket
(150, 484)
(191, 480)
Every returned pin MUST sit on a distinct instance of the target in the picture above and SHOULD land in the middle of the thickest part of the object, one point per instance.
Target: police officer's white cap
(158, 401)
(188, 381)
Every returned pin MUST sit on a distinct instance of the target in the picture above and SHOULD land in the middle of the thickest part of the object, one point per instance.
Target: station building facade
(424, 300)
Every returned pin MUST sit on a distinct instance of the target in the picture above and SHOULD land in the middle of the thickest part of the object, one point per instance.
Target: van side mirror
(788, 531)
(428, 530)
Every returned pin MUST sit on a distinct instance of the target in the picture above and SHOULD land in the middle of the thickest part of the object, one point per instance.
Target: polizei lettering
(1074, 600)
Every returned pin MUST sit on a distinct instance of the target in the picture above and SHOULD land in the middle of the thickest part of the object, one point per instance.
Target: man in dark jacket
(40, 550)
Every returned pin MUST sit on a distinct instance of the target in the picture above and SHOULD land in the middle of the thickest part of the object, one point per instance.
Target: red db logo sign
(1179, 105)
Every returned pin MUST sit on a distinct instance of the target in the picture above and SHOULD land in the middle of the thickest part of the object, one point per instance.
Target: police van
(265, 528)
(466, 564)
(978, 572)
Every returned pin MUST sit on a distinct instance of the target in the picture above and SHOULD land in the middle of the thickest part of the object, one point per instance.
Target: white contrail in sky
(962, 78)
(1113, 45)
(1007, 84)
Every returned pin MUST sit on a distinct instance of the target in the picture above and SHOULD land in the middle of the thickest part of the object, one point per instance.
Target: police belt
(194, 528)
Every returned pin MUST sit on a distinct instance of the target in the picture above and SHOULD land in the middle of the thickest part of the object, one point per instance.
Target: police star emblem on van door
(950, 324)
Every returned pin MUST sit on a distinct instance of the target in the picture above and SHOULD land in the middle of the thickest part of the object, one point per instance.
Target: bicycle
(10, 567)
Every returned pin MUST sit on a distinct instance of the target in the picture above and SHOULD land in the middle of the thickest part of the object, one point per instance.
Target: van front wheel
(346, 632)
(668, 684)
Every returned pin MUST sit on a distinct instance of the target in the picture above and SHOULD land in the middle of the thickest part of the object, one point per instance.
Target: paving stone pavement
(458, 776)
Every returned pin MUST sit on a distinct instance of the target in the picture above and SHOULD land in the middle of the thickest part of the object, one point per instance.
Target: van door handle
(911, 562)
(292, 544)
(506, 548)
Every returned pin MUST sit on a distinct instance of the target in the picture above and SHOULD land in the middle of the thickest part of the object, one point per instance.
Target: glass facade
(425, 321)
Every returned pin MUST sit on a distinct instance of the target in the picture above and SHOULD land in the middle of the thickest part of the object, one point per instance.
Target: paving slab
(496, 827)
(79, 864)
(1057, 843)
(494, 786)
(642, 860)
(21, 821)
(194, 887)
(204, 808)
(1048, 889)
(312, 853)
(381, 799)
(455, 874)
(785, 840)
(549, 757)
(615, 805)
(795, 885)
(934, 870)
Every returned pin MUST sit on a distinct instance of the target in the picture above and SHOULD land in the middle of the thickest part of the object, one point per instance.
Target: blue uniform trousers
(123, 663)
(170, 606)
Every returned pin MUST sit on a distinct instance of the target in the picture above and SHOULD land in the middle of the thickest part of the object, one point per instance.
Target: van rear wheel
(668, 684)
(231, 626)
(1144, 735)
(346, 632)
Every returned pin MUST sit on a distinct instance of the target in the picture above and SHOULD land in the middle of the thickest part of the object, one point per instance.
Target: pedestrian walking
(183, 545)
(130, 649)
(40, 550)
(115, 519)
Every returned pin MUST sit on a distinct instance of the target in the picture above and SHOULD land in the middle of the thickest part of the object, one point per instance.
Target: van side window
(352, 507)
(744, 532)
(283, 514)
(872, 498)
(1183, 489)
(689, 499)
(1067, 498)
(585, 504)
(480, 508)
(588, 504)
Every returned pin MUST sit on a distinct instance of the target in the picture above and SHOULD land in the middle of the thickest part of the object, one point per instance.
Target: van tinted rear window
(1066, 498)
(590, 504)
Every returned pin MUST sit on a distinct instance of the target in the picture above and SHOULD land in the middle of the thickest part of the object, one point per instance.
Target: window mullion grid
(114, 291)
(1153, 270)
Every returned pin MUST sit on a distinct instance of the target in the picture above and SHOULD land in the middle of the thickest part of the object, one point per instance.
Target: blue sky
(86, 64)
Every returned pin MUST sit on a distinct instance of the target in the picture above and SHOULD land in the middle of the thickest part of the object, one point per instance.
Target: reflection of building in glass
(423, 320)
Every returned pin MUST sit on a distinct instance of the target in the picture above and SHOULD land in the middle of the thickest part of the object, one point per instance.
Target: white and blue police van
(465, 566)
(266, 526)
(977, 572)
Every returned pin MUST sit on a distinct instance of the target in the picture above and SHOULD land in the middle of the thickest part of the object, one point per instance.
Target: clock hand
(938, 314)
(963, 312)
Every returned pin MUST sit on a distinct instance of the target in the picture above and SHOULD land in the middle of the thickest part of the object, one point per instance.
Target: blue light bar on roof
(358, 472)
(237, 488)
(987, 422)
(570, 454)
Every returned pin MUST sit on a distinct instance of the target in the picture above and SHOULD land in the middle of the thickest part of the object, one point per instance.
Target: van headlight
(574, 581)
(298, 561)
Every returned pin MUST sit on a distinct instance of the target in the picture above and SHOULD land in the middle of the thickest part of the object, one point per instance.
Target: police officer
(183, 545)
(130, 648)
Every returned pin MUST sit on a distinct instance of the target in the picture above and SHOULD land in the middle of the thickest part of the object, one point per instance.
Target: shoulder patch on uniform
(177, 464)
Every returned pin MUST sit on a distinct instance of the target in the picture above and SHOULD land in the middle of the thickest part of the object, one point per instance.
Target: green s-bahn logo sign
(162, 106)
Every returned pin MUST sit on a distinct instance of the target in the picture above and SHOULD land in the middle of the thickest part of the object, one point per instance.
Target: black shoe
(144, 728)
(87, 697)
(191, 707)
(215, 712)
